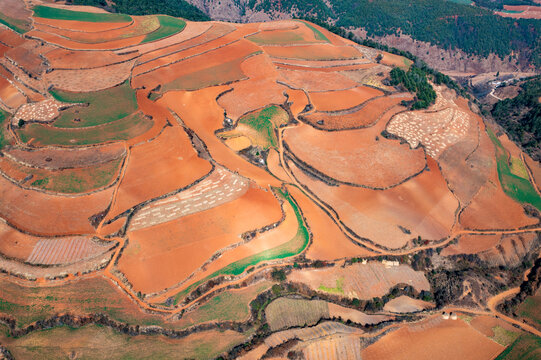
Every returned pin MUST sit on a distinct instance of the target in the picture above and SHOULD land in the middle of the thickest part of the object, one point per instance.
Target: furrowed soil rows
(66, 250)
(341, 100)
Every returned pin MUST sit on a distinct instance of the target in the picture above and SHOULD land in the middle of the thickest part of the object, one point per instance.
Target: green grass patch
(3, 128)
(105, 106)
(73, 181)
(339, 289)
(291, 248)
(268, 38)
(525, 347)
(514, 186)
(531, 308)
(168, 26)
(263, 122)
(318, 34)
(518, 168)
(123, 129)
(62, 14)
(504, 337)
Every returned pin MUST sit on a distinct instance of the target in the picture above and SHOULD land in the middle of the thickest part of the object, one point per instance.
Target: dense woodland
(177, 8)
(521, 116)
(414, 80)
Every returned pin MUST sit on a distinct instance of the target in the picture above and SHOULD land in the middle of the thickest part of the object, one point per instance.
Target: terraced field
(171, 188)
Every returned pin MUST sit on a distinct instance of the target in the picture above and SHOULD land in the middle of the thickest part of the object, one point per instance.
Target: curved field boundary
(124, 129)
(291, 248)
(168, 26)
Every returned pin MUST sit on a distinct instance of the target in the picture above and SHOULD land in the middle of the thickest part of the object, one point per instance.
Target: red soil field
(313, 52)
(485, 325)
(395, 60)
(328, 242)
(275, 167)
(15, 9)
(491, 208)
(74, 45)
(81, 25)
(219, 56)
(261, 76)
(200, 112)
(434, 339)
(10, 38)
(405, 304)
(203, 36)
(269, 239)
(163, 161)
(315, 81)
(90, 79)
(423, 205)
(62, 158)
(27, 58)
(141, 25)
(16, 244)
(69, 59)
(43, 214)
(535, 168)
(9, 94)
(472, 244)
(113, 227)
(344, 99)
(185, 244)
(298, 33)
(355, 156)
(298, 100)
(367, 115)
(218, 41)
(191, 30)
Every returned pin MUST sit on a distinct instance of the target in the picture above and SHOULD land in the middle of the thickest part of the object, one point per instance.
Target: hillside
(211, 190)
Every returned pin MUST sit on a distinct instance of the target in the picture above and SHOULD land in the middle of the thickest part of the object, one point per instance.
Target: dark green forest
(521, 116)
(177, 8)
(415, 80)
(447, 24)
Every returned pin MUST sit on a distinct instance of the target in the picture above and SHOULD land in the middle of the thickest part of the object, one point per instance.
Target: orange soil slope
(157, 168)
(159, 257)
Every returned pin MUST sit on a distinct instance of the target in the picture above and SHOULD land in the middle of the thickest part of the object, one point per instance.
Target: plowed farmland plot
(88, 80)
(313, 52)
(66, 250)
(365, 115)
(323, 81)
(69, 59)
(434, 338)
(334, 347)
(405, 304)
(423, 205)
(341, 100)
(43, 111)
(362, 281)
(188, 242)
(48, 12)
(163, 161)
(354, 156)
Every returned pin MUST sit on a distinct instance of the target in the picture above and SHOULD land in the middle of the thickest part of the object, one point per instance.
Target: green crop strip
(318, 34)
(3, 141)
(62, 14)
(18, 25)
(168, 26)
(104, 106)
(514, 186)
(291, 248)
(261, 122)
(339, 289)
